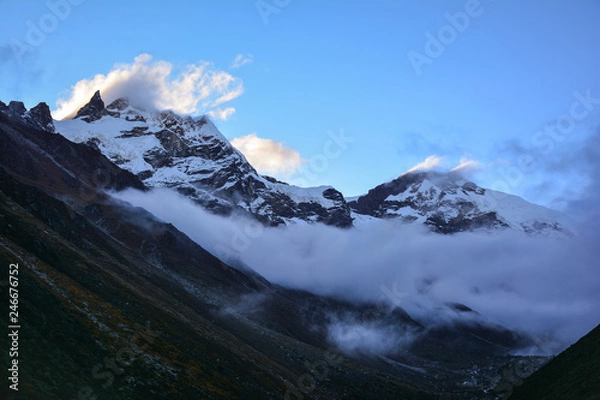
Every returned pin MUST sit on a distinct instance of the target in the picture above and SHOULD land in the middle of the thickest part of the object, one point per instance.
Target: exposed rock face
(191, 155)
(94, 110)
(39, 117)
(41, 114)
(17, 107)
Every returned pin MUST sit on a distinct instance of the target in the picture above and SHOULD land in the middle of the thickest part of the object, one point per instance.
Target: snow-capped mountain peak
(449, 203)
(190, 154)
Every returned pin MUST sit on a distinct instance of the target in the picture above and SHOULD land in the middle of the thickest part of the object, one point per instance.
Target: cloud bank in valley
(199, 88)
(545, 287)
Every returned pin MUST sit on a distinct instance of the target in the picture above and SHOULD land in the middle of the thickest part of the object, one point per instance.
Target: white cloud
(354, 337)
(430, 162)
(545, 287)
(268, 156)
(467, 166)
(241, 60)
(200, 88)
(221, 113)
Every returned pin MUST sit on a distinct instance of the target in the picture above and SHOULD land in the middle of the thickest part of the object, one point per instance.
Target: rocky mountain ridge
(448, 203)
(39, 117)
(188, 154)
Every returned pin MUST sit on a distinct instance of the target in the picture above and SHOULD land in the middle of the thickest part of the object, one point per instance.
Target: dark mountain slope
(116, 304)
(573, 374)
(54, 163)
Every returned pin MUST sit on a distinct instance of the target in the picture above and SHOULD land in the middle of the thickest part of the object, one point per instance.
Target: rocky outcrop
(39, 117)
(94, 110)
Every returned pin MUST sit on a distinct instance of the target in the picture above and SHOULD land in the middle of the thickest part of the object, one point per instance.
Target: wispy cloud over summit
(199, 88)
(429, 163)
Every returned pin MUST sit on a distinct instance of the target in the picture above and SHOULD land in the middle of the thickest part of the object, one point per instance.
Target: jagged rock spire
(41, 114)
(17, 107)
(93, 110)
(39, 117)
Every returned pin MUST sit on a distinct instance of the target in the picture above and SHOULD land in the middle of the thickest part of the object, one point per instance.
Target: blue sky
(489, 85)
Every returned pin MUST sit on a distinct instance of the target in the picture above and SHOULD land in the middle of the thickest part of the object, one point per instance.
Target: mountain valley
(117, 303)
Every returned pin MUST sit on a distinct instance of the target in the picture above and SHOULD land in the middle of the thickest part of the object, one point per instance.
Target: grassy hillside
(573, 374)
